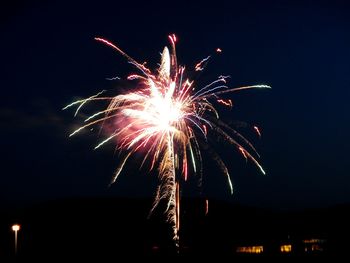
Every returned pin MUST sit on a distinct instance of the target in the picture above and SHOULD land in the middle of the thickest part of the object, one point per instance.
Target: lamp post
(15, 228)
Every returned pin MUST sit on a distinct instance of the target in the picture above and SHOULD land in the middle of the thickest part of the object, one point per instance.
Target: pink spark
(206, 206)
(243, 152)
(199, 66)
(257, 130)
(226, 103)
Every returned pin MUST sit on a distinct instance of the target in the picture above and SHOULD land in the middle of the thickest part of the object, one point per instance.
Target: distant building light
(286, 248)
(314, 241)
(250, 249)
(314, 245)
(314, 248)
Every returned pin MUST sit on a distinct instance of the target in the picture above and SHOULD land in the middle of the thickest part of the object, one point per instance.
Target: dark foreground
(104, 229)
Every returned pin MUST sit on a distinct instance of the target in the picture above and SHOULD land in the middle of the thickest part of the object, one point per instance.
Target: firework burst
(165, 119)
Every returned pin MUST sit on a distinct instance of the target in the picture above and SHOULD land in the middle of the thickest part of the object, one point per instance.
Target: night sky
(49, 58)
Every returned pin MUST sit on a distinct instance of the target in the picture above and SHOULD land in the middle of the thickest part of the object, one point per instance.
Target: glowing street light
(15, 228)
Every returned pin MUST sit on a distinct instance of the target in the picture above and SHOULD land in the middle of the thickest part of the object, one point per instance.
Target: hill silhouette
(116, 227)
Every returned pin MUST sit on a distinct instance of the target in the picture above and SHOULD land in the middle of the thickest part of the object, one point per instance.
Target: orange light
(286, 248)
(250, 250)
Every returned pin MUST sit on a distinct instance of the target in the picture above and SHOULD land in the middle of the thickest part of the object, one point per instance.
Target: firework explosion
(168, 118)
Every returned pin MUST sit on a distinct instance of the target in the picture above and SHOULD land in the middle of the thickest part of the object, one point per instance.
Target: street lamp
(15, 228)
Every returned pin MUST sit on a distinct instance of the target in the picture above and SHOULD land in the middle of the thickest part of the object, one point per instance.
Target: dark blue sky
(49, 58)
